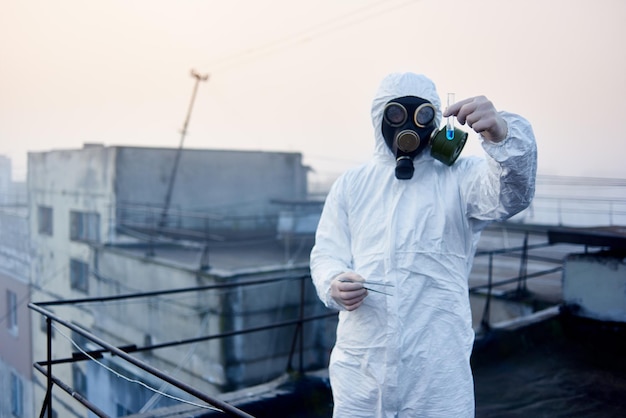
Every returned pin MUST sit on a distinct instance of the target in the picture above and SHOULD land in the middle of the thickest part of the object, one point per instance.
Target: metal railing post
(48, 403)
(299, 333)
(484, 323)
(301, 325)
(523, 269)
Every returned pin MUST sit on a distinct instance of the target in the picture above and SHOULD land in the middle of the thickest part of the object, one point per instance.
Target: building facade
(16, 360)
(117, 220)
(5, 179)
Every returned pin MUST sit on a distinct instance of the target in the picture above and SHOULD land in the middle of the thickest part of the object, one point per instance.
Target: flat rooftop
(613, 237)
(227, 258)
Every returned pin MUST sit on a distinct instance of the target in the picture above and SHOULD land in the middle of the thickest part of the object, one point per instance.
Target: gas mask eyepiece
(424, 115)
(395, 114)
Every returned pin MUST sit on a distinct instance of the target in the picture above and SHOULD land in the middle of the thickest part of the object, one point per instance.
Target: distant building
(16, 360)
(5, 179)
(116, 220)
(12, 193)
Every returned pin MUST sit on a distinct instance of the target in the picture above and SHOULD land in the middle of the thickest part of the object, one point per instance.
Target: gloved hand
(347, 290)
(481, 116)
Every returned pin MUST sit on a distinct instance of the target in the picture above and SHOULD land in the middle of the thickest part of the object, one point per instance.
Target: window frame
(17, 396)
(79, 275)
(79, 380)
(45, 220)
(12, 312)
(84, 226)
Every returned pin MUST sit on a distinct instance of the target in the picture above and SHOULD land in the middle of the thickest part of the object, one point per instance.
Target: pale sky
(300, 75)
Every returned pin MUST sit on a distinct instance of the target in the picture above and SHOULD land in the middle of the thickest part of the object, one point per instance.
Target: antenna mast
(168, 197)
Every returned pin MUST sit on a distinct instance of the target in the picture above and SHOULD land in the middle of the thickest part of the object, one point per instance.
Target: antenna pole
(168, 197)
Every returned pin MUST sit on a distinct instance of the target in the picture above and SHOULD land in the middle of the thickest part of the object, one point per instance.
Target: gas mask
(409, 126)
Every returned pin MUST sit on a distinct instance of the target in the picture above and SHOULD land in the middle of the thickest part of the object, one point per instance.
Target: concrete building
(12, 193)
(16, 370)
(5, 178)
(115, 220)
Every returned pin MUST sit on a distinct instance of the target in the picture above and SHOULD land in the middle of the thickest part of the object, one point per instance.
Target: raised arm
(504, 184)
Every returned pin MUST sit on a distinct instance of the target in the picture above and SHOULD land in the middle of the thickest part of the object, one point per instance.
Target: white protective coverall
(407, 355)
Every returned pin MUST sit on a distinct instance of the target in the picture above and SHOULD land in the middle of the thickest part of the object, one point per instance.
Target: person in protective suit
(394, 249)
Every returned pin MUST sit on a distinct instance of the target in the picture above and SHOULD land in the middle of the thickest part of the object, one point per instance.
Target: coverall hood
(398, 85)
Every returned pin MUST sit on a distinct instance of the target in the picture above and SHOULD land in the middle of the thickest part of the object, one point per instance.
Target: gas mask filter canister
(408, 127)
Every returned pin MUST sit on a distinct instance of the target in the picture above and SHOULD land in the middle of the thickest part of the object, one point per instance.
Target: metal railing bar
(581, 199)
(87, 355)
(166, 292)
(578, 211)
(515, 279)
(179, 232)
(238, 332)
(152, 210)
(76, 357)
(512, 249)
(225, 407)
(536, 258)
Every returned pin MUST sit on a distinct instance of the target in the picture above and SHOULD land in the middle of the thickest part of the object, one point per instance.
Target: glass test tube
(450, 121)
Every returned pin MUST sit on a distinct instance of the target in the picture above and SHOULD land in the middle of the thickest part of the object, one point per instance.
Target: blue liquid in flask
(450, 134)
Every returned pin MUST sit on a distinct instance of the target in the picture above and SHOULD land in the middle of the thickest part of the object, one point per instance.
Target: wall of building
(596, 283)
(257, 357)
(229, 193)
(211, 366)
(72, 180)
(235, 189)
(65, 181)
(5, 179)
(15, 250)
(15, 341)
(12, 193)
(210, 180)
(15, 347)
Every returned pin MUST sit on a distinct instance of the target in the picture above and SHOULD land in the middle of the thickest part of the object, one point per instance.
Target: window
(122, 411)
(12, 312)
(147, 342)
(84, 226)
(44, 220)
(79, 275)
(79, 380)
(17, 408)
